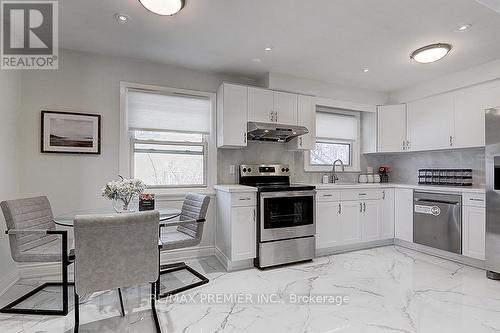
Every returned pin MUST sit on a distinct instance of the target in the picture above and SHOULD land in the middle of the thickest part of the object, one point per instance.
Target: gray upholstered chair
(33, 238)
(188, 233)
(116, 251)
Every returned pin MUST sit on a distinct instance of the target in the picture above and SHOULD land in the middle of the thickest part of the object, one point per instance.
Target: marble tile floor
(387, 289)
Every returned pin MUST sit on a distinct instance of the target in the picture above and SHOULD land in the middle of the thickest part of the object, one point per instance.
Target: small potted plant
(122, 192)
(384, 171)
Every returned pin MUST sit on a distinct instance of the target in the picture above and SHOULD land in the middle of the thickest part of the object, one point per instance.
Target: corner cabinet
(232, 104)
(236, 228)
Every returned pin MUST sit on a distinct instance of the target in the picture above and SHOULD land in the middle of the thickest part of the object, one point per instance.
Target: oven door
(288, 214)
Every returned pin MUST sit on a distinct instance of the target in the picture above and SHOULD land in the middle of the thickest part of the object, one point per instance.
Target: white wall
(10, 93)
(469, 77)
(324, 89)
(88, 83)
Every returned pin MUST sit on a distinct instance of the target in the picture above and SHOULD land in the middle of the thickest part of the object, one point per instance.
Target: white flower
(124, 189)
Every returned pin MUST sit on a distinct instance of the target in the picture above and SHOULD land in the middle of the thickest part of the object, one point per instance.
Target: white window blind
(152, 111)
(336, 126)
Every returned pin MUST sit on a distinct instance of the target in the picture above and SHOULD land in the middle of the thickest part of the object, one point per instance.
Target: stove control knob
(287, 169)
(283, 169)
(249, 170)
(244, 169)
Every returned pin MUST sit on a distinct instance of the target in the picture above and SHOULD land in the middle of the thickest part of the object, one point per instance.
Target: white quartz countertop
(461, 189)
(235, 188)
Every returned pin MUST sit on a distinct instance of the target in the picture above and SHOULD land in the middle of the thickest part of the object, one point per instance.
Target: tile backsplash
(404, 165)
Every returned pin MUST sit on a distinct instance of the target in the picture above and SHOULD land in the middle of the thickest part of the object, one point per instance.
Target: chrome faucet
(335, 178)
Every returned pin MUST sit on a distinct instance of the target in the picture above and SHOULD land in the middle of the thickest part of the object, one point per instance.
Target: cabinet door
(350, 223)
(306, 116)
(430, 123)
(387, 220)
(232, 104)
(391, 121)
(243, 233)
(328, 232)
(370, 220)
(473, 238)
(260, 105)
(403, 203)
(285, 108)
(470, 106)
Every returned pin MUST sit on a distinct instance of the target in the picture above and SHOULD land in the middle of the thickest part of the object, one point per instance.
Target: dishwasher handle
(439, 201)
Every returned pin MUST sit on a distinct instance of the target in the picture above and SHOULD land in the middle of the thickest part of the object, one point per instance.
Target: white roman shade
(153, 111)
(336, 126)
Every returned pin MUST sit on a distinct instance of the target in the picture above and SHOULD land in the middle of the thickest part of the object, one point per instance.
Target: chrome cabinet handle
(383, 195)
(245, 199)
(364, 207)
(328, 195)
(340, 209)
(361, 207)
(362, 194)
(404, 144)
(254, 214)
(245, 136)
(451, 141)
(473, 199)
(408, 145)
(276, 116)
(300, 141)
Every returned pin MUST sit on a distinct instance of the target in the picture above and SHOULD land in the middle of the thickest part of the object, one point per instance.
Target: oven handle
(284, 194)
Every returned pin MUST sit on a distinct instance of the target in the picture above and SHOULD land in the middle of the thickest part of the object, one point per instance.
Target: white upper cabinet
(391, 120)
(470, 106)
(260, 105)
(232, 104)
(430, 123)
(285, 108)
(306, 116)
(267, 106)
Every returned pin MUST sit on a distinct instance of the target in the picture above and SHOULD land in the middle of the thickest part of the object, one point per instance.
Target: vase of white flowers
(123, 192)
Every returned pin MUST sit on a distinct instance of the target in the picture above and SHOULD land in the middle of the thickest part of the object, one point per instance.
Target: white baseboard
(232, 266)
(353, 247)
(441, 254)
(8, 280)
(186, 254)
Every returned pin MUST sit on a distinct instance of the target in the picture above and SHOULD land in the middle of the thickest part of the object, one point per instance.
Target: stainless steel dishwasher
(437, 221)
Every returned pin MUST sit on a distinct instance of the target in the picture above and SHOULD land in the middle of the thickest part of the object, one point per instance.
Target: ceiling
(328, 40)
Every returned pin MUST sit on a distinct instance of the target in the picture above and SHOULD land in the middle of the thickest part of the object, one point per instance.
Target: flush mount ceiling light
(122, 18)
(365, 70)
(463, 27)
(430, 53)
(268, 48)
(164, 7)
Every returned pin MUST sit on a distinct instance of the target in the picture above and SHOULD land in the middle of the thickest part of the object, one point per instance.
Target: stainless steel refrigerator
(493, 193)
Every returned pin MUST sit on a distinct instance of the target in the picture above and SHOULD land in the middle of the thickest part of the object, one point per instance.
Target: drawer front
(243, 199)
(367, 194)
(474, 199)
(327, 195)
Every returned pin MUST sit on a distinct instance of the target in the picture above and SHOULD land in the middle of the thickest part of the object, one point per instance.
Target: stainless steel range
(286, 223)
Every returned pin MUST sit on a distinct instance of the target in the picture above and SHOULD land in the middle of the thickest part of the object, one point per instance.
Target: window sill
(329, 169)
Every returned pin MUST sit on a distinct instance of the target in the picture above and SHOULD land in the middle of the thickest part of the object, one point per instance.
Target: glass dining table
(66, 220)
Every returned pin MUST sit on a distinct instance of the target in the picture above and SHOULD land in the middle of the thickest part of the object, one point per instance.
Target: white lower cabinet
(370, 220)
(387, 220)
(473, 226)
(340, 220)
(328, 232)
(350, 222)
(403, 204)
(243, 231)
(236, 228)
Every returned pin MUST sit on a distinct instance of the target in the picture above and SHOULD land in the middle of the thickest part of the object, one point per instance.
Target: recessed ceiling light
(430, 53)
(268, 48)
(463, 27)
(366, 70)
(122, 18)
(164, 7)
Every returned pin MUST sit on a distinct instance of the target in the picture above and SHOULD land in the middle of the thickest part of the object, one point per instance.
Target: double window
(337, 138)
(169, 136)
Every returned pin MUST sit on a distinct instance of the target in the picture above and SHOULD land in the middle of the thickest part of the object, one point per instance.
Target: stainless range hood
(274, 132)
